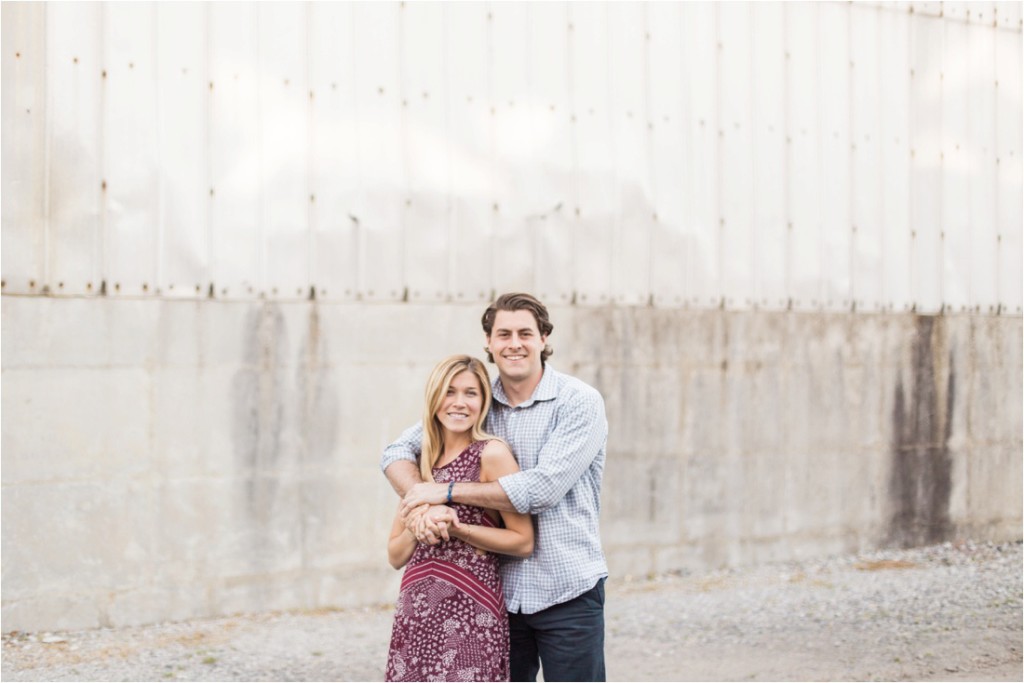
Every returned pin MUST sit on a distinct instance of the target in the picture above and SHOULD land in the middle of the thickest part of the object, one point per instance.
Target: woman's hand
(430, 523)
(424, 492)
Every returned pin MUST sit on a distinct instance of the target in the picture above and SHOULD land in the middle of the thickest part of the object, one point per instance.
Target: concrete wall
(173, 459)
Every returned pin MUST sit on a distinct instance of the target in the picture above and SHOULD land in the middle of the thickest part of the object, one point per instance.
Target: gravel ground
(949, 612)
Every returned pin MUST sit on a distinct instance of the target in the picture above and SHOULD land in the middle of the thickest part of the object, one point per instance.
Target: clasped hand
(430, 523)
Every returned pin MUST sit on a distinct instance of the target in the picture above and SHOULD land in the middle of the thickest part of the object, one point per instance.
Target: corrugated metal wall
(834, 156)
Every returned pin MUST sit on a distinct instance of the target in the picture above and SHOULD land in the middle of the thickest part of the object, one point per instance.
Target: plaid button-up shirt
(559, 437)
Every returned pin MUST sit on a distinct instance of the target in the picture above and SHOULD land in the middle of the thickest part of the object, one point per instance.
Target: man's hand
(424, 492)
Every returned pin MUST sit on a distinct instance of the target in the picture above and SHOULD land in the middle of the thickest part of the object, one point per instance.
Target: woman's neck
(454, 443)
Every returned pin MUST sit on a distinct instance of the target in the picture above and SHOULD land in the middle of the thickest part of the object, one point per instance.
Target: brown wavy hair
(519, 301)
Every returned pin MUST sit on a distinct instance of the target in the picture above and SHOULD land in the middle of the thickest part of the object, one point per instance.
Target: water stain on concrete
(259, 406)
(921, 475)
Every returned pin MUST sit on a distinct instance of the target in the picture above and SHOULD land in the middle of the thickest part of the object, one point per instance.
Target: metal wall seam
(311, 143)
(1009, 196)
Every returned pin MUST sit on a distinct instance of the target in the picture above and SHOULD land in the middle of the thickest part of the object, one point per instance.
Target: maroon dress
(450, 620)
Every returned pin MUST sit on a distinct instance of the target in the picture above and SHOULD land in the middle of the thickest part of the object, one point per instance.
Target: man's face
(516, 344)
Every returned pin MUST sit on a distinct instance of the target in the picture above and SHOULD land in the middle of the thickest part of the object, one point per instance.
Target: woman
(450, 620)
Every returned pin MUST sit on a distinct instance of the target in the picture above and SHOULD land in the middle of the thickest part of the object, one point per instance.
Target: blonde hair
(437, 388)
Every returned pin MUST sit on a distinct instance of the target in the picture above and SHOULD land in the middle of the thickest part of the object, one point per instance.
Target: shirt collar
(546, 389)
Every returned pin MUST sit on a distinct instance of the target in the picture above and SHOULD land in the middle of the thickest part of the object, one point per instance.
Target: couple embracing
(504, 568)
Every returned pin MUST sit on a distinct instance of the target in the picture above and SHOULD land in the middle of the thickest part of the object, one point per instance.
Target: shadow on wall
(921, 477)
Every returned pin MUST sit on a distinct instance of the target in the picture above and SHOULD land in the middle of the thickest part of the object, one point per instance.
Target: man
(557, 429)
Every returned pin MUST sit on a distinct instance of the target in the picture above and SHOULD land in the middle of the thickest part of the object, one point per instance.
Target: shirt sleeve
(407, 447)
(570, 449)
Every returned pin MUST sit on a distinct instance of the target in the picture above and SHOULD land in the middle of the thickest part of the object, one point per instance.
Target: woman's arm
(517, 537)
(401, 543)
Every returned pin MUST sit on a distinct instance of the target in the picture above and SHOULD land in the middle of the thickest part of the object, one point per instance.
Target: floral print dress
(450, 620)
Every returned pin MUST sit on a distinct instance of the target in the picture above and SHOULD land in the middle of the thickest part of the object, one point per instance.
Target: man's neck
(520, 391)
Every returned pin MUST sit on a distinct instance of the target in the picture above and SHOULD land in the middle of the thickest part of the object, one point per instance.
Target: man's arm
(581, 433)
(398, 462)
(570, 449)
(489, 495)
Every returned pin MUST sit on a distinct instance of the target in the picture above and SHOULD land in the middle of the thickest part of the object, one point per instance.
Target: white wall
(819, 156)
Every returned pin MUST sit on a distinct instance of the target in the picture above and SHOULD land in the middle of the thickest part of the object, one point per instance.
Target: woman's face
(461, 406)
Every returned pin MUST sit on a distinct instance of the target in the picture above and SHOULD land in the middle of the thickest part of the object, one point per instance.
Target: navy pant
(567, 638)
